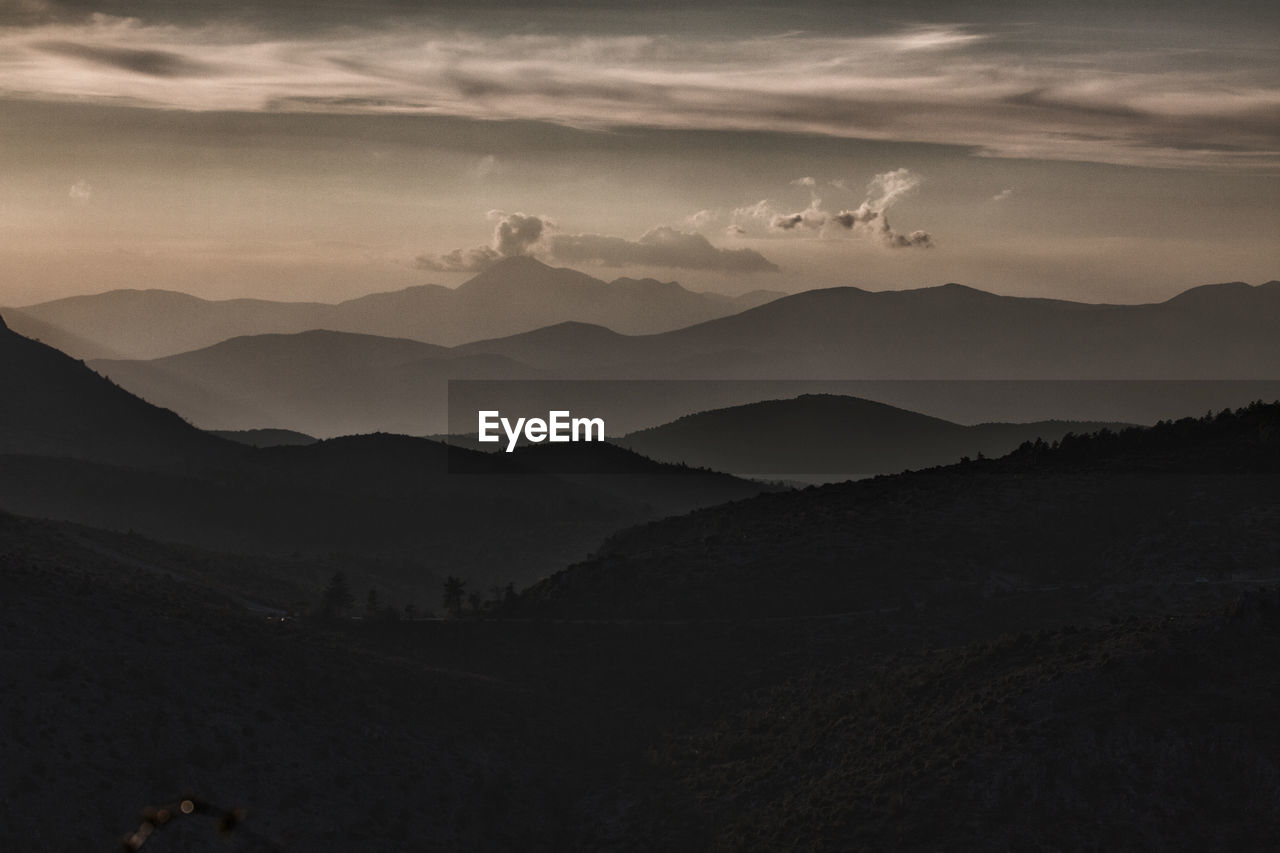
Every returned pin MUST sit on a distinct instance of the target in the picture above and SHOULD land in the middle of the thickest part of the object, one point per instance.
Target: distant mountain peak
(1214, 293)
(516, 262)
(524, 271)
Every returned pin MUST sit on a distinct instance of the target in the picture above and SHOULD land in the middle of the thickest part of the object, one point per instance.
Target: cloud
(883, 191)
(81, 190)
(701, 219)
(886, 188)
(459, 260)
(1001, 92)
(514, 234)
(153, 63)
(812, 217)
(869, 217)
(804, 182)
(661, 247)
(1002, 195)
(916, 239)
(761, 211)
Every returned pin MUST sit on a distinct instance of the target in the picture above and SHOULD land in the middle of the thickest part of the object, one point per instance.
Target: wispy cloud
(152, 63)
(1002, 195)
(951, 85)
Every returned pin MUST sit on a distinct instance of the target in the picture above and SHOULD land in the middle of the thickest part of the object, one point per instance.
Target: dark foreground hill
(128, 687)
(1180, 501)
(389, 504)
(830, 434)
(1018, 669)
(51, 404)
(1145, 735)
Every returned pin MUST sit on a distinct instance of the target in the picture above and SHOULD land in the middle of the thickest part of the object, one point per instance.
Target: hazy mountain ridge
(76, 447)
(829, 434)
(515, 295)
(1220, 332)
(945, 332)
(266, 437)
(318, 382)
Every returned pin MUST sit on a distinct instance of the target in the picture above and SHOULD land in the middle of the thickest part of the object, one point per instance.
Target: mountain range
(514, 295)
(1181, 501)
(328, 383)
(75, 447)
(318, 382)
(1222, 331)
(834, 435)
(1061, 647)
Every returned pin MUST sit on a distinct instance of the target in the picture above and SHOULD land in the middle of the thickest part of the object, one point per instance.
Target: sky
(1104, 152)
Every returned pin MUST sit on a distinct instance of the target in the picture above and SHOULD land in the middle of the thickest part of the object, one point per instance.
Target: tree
(453, 591)
(371, 605)
(337, 598)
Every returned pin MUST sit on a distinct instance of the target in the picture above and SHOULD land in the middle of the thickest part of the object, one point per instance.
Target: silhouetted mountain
(53, 405)
(1008, 654)
(320, 382)
(382, 499)
(626, 475)
(1173, 502)
(132, 682)
(75, 447)
(828, 434)
(947, 332)
(135, 686)
(266, 437)
(514, 295)
(1001, 745)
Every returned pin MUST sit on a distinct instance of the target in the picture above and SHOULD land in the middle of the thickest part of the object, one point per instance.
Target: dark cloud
(660, 247)
(154, 63)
